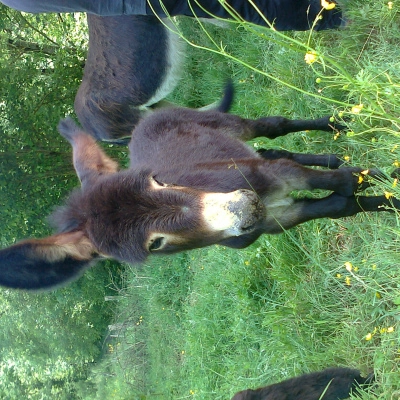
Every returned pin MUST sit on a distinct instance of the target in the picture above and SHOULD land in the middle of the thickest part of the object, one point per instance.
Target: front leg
(289, 176)
(333, 206)
(316, 160)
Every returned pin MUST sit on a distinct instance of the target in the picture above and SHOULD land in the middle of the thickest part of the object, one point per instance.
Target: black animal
(329, 384)
(191, 183)
(133, 62)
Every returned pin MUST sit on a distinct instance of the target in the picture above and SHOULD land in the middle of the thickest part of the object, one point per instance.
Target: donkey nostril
(248, 228)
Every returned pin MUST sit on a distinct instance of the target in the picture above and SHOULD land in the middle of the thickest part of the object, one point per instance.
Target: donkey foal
(191, 183)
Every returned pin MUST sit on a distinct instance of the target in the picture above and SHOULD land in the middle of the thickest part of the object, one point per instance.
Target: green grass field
(205, 324)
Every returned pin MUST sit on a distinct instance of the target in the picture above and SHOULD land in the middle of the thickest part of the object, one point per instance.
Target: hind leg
(273, 127)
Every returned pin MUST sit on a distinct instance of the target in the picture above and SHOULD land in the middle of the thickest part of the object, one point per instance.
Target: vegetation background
(205, 324)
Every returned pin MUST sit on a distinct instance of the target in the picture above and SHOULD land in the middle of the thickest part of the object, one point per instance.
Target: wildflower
(348, 281)
(368, 336)
(390, 329)
(373, 267)
(247, 262)
(365, 172)
(395, 181)
(357, 109)
(346, 158)
(390, 5)
(348, 266)
(338, 275)
(310, 57)
(382, 330)
(388, 195)
(192, 392)
(396, 163)
(327, 5)
(360, 179)
(378, 295)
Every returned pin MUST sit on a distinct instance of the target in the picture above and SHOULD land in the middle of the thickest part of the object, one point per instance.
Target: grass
(205, 324)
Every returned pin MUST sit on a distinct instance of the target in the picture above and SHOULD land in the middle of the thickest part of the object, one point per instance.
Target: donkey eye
(156, 244)
(158, 182)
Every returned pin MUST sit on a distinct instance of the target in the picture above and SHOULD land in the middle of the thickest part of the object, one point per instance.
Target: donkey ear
(46, 263)
(90, 161)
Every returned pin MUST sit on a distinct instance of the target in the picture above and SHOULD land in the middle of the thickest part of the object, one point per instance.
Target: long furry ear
(90, 161)
(46, 263)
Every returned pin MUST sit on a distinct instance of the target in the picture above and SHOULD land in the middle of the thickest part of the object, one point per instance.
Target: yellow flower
(247, 262)
(348, 281)
(327, 5)
(395, 181)
(388, 195)
(338, 275)
(346, 158)
(369, 336)
(348, 265)
(390, 329)
(396, 164)
(360, 179)
(390, 5)
(310, 57)
(378, 295)
(357, 109)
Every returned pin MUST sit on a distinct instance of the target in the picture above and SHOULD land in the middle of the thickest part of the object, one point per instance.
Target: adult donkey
(133, 62)
(192, 182)
(329, 384)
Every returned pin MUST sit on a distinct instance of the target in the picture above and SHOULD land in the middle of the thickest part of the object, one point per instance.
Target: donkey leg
(333, 206)
(318, 160)
(344, 181)
(273, 127)
(289, 176)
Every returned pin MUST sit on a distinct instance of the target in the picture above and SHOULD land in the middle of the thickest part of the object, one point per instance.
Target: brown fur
(191, 183)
